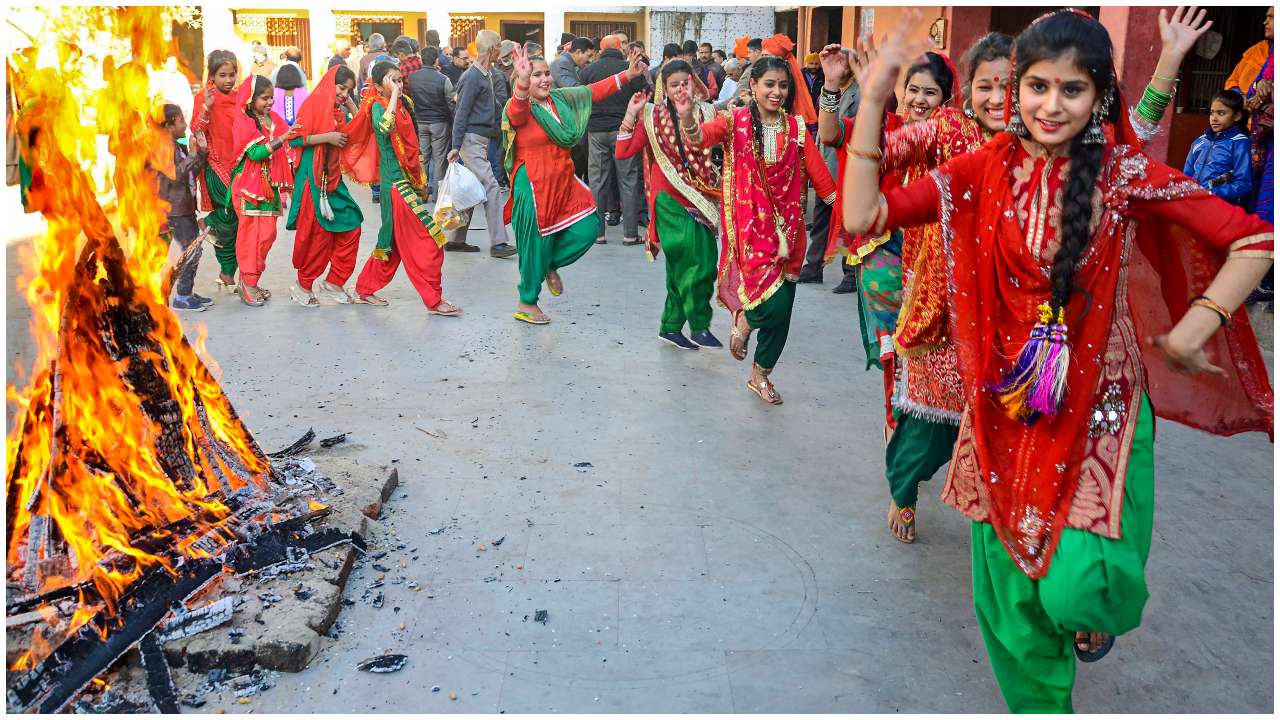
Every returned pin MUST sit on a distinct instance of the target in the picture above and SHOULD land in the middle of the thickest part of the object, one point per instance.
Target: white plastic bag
(459, 191)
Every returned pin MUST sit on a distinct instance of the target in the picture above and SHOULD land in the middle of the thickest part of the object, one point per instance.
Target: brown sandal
(765, 389)
(738, 339)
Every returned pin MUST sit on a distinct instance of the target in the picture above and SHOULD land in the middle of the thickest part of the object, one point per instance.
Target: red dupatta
(1030, 472)
(697, 180)
(320, 114)
(762, 217)
(221, 157)
(360, 157)
(277, 171)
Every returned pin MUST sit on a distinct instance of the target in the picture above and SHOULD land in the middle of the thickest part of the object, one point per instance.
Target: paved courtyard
(717, 555)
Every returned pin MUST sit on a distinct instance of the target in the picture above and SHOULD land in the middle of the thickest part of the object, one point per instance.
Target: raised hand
(1180, 33)
(391, 86)
(896, 53)
(834, 66)
(208, 98)
(637, 67)
(682, 99)
(637, 103)
(520, 61)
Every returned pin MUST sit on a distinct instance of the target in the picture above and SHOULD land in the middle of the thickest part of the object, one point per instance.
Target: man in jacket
(456, 65)
(476, 122)
(433, 100)
(564, 73)
(377, 45)
(602, 134)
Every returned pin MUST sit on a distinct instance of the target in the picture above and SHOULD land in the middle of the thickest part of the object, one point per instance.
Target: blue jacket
(1215, 154)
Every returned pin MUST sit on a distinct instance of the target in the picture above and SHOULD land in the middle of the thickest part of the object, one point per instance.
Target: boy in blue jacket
(1219, 159)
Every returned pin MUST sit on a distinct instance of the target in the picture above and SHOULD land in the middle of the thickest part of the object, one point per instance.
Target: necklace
(769, 138)
(776, 125)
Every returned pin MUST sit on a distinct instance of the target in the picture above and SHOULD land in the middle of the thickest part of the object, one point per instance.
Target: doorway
(521, 32)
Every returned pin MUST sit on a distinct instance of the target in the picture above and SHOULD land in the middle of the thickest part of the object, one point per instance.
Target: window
(600, 28)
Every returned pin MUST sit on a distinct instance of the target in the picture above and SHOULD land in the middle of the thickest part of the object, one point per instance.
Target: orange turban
(740, 46)
(780, 46)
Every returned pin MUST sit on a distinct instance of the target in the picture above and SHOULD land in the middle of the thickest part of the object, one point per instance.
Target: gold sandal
(738, 339)
(765, 390)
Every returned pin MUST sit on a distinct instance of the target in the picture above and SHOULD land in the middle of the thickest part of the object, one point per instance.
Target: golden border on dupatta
(700, 201)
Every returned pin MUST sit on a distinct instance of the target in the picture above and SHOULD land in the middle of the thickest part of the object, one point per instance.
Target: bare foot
(554, 283)
(902, 523)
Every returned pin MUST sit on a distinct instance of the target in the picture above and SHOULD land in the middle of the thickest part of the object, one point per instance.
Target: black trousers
(818, 242)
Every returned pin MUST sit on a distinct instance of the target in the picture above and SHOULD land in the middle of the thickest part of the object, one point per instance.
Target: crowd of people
(1034, 288)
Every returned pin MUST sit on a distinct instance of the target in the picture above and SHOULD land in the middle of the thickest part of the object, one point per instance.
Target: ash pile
(217, 628)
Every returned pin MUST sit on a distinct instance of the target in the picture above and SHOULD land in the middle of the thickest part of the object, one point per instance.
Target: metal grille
(464, 28)
(1241, 28)
(600, 28)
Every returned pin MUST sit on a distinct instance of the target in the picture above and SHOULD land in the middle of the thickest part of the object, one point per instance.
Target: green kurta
(257, 153)
(346, 213)
(1094, 584)
(391, 175)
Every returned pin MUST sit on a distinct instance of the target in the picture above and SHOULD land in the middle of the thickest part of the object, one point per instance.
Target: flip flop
(1090, 656)
(373, 300)
(556, 290)
(455, 312)
(523, 316)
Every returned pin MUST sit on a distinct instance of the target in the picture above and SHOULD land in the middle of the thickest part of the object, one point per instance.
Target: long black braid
(1090, 45)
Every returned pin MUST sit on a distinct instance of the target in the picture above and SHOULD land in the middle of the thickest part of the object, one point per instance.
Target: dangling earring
(968, 110)
(1015, 125)
(1093, 134)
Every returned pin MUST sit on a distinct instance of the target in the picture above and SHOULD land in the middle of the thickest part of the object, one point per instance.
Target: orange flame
(85, 455)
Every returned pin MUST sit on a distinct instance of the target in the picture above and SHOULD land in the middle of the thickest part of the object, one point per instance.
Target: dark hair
(218, 58)
(430, 56)
(992, 46)
(637, 44)
(171, 113)
(669, 69)
(260, 85)
(937, 67)
(343, 75)
(755, 44)
(1063, 33)
(289, 77)
(766, 64)
(380, 70)
(1235, 102)
(670, 50)
(706, 45)
(720, 53)
(689, 47)
(581, 45)
(433, 38)
(595, 43)
(401, 46)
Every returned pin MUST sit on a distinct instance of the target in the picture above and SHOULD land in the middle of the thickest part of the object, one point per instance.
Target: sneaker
(461, 246)
(502, 250)
(201, 299)
(810, 277)
(632, 241)
(613, 219)
(1260, 295)
(706, 339)
(186, 303)
(845, 287)
(678, 339)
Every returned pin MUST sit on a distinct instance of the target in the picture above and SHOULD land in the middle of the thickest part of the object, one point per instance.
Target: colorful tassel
(1037, 383)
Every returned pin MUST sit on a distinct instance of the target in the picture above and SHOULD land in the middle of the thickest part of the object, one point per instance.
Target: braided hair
(1087, 42)
(671, 67)
(766, 64)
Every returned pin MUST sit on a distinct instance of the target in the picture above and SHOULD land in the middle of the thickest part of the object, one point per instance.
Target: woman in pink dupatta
(767, 162)
(264, 167)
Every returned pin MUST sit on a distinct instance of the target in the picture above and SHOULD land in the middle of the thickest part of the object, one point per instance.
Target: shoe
(601, 241)
(502, 250)
(706, 339)
(377, 199)
(461, 246)
(305, 298)
(328, 292)
(678, 339)
(201, 299)
(845, 287)
(632, 241)
(187, 304)
(810, 277)
(613, 219)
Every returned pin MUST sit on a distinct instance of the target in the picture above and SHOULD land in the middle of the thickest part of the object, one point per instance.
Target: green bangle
(1148, 113)
(1156, 97)
(1166, 79)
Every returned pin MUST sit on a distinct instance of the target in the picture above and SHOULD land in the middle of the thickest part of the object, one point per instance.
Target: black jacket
(432, 95)
(606, 115)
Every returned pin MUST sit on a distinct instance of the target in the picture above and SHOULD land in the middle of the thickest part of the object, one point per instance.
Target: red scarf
(360, 156)
(1031, 471)
(762, 218)
(277, 171)
(218, 135)
(320, 114)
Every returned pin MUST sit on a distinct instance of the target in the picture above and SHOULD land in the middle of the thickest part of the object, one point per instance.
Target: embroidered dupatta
(256, 180)
(1028, 474)
(218, 134)
(320, 114)
(762, 217)
(698, 180)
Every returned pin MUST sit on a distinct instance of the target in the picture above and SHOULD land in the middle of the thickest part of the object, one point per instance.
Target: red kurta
(561, 198)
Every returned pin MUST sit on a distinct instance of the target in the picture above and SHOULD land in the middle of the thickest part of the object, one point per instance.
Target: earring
(968, 110)
(1093, 134)
(1015, 125)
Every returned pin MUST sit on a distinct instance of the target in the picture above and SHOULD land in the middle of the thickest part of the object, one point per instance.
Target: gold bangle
(1208, 304)
(874, 155)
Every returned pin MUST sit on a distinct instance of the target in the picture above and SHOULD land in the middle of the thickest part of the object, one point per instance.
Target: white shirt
(728, 90)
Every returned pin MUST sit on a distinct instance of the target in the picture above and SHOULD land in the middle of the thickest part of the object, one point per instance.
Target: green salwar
(773, 319)
(222, 222)
(690, 249)
(1094, 584)
(540, 254)
(917, 449)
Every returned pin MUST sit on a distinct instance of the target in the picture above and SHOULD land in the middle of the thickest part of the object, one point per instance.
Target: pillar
(552, 28)
(324, 31)
(438, 20)
(1135, 35)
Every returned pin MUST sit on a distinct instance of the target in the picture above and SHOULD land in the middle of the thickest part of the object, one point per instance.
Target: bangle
(1166, 79)
(874, 155)
(1208, 304)
(829, 101)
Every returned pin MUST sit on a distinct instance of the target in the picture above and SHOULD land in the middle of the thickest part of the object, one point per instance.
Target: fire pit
(133, 487)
